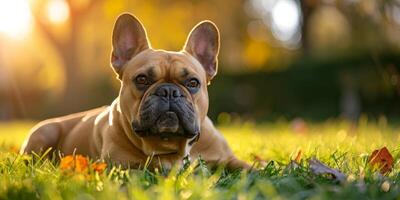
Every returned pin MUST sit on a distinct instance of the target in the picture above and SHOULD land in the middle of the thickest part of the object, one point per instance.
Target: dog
(161, 110)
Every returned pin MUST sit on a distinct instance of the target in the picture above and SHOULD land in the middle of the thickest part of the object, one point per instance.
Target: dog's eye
(193, 83)
(141, 79)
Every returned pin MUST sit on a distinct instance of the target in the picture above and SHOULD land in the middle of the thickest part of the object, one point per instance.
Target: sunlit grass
(14, 133)
(338, 144)
(280, 141)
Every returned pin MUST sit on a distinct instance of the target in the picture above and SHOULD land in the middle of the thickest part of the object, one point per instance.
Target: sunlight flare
(15, 17)
(57, 11)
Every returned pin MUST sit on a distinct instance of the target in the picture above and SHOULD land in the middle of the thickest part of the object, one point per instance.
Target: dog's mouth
(167, 126)
(167, 130)
(168, 122)
(166, 113)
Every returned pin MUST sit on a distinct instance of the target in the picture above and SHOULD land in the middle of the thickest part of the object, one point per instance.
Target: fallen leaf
(319, 168)
(81, 163)
(295, 163)
(67, 163)
(99, 167)
(77, 163)
(382, 160)
(298, 156)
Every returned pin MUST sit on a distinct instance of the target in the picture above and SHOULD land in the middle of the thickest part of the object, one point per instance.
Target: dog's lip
(165, 153)
(167, 122)
(163, 135)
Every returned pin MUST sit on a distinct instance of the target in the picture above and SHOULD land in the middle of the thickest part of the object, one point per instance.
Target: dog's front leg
(214, 150)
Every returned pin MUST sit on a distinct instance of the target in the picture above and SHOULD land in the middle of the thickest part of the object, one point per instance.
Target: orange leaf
(81, 163)
(67, 163)
(99, 167)
(381, 159)
(76, 163)
(298, 156)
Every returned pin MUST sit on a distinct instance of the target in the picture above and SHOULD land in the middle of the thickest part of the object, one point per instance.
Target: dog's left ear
(203, 44)
(129, 39)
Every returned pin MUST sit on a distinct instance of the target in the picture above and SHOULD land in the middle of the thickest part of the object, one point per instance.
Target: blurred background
(279, 59)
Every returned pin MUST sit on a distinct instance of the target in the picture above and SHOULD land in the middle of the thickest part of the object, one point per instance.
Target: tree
(67, 49)
(307, 8)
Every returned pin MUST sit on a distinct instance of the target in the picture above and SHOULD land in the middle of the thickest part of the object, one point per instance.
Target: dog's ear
(203, 44)
(129, 38)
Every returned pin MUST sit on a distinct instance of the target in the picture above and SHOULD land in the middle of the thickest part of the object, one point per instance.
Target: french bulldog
(161, 109)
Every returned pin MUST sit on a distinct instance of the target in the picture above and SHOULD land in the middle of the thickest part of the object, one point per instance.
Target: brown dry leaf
(382, 160)
(319, 168)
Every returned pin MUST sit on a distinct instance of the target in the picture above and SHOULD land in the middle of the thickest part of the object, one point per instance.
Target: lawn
(270, 146)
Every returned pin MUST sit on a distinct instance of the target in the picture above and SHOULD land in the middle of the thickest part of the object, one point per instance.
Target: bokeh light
(282, 17)
(285, 19)
(15, 17)
(57, 11)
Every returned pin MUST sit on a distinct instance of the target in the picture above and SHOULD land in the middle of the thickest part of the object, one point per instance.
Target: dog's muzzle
(166, 113)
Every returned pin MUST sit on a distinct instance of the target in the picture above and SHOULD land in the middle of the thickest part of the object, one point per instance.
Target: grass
(273, 145)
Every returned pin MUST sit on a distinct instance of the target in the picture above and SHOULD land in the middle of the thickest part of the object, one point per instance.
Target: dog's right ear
(128, 39)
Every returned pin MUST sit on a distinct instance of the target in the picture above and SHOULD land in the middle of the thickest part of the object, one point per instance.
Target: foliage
(313, 88)
(337, 144)
(72, 68)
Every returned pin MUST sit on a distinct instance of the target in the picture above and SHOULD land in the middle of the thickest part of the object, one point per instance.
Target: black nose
(169, 91)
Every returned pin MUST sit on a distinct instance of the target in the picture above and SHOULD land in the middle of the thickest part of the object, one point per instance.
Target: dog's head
(164, 93)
